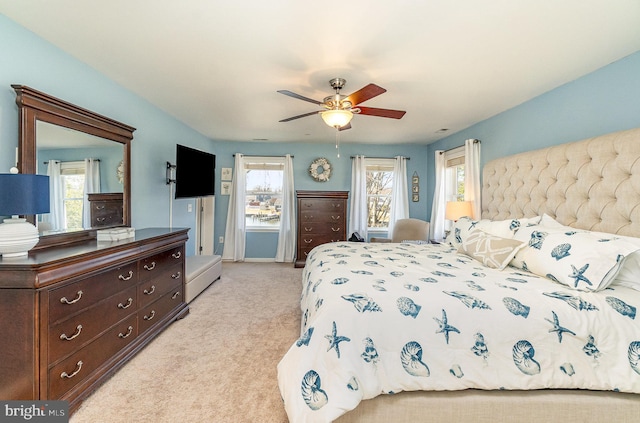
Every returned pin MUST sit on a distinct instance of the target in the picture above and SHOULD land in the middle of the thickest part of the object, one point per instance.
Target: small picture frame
(415, 189)
(415, 179)
(415, 198)
(225, 188)
(226, 174)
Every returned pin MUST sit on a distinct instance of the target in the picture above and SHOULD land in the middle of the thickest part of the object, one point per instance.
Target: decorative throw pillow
(506, 228)
(459, 231)
(491, 250)
(579, 259)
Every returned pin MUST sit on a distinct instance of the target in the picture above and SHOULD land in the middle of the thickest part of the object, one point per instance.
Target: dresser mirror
(53, 130)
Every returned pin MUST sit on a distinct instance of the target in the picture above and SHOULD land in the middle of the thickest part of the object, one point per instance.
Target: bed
(527, 314)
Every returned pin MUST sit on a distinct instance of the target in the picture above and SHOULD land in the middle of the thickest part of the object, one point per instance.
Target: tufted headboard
(592, 184)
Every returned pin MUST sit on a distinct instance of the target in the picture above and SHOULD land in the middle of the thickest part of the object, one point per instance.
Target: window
(379, 188)
(263, 192)
(454, 177)
(72, 175)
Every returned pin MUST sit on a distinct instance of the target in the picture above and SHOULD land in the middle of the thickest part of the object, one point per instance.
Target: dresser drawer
(152, 289)
(156, 311)
(319, 216)
(322, 204)
(75, 332)
(334, 230)
(71, 299)
(76, 368)
(152, 266)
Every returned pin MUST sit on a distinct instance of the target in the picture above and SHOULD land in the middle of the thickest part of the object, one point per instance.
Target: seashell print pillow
(580, 259)
(491, 250)
(502, 228)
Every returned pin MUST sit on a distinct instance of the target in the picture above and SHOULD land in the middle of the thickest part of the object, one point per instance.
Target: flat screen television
(195, 172)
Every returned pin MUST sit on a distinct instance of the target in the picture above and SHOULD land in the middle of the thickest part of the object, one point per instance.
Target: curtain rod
(62, 161)
(367, 157)
(453, 148)
(262, 155)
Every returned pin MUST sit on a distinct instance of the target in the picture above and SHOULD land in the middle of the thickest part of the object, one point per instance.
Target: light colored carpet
(218, 364)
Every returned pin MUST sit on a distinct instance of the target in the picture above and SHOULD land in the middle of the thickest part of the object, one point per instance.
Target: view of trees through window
(263, 195)
(379, 185)
(73, 189)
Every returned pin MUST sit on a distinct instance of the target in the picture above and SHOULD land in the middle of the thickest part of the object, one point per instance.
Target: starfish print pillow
(581, 260)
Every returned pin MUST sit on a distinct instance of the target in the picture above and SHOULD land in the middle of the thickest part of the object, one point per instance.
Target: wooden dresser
(322, 218)
(72, 315)
(106, 209)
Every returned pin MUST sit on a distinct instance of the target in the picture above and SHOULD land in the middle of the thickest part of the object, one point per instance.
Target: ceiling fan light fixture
(336, 118)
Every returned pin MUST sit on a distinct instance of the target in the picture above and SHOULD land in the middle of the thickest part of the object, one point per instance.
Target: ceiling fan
(338, 109)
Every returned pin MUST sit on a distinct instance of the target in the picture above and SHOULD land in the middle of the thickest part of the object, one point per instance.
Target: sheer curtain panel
(439, 202)
(472, 188)
(358, 215)
(235, 232)
(91, 186)
(399, 193)
(287, 234)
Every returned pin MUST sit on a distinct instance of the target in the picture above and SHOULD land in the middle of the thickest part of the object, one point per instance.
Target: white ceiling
(216, 65)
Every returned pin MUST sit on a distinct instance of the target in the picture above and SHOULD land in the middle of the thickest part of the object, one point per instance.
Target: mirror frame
(36, 106)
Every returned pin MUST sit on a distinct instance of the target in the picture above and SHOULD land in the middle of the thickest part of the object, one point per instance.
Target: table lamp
(21, 194)
(454, 210)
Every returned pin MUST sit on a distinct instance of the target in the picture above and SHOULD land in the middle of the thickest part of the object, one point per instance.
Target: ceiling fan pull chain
(338, 141)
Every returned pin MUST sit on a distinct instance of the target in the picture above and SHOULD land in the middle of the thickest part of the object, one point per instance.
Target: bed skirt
(497, 407)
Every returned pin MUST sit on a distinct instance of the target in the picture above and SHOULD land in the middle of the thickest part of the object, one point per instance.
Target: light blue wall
(263, 245)
(29, 60)
(603, 101)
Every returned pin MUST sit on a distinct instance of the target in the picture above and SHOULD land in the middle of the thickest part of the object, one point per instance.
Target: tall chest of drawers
(106, 209)
(79, 312)
(321, 219)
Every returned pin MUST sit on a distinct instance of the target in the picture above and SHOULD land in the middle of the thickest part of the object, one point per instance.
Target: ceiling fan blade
(344, 128)
(299, 97)
(388, 113)
(365, 93)
(300, 116)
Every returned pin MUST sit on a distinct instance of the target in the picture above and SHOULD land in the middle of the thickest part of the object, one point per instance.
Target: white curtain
(55, 220)
(358, 216)
(287, 235)
(399, 193)
(235, 232)
(472, 188)
(439, 202)
(91, 186)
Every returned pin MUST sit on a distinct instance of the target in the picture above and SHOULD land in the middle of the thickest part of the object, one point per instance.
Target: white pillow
(506, 228)
(579, 259)
(491, 250)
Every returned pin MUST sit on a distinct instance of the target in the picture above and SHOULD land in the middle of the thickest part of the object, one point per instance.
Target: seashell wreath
(320, 169)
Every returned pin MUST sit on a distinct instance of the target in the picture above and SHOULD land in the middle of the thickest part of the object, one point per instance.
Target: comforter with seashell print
(385, 318)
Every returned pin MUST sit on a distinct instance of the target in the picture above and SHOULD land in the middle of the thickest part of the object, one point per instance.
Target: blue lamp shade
(23, 194)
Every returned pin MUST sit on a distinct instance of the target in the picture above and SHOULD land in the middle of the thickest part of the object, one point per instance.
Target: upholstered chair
(407, 230)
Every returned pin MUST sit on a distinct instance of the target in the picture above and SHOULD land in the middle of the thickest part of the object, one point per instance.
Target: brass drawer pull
(336, 205)
(176, 255)
(308, 241)
(75, 300)
(153, 266)
(129, 302)
(69, 376)
(69, 338)
(153, 289)
(126, 335)
(176, 295)
(101, 219)
(176, 275)
(100, 207)
(126, 278)
(153, 314)
(308, 229)
(335, 229)
(336, 217)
